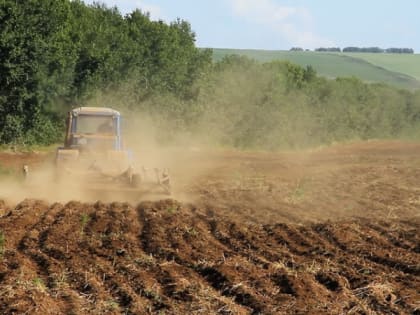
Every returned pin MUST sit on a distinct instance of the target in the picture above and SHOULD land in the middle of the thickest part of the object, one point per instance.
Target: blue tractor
(94, 154)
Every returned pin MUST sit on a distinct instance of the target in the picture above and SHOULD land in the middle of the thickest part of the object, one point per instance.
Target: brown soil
(332, 231)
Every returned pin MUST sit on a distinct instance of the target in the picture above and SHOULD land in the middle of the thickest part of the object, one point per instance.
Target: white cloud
(293, 24)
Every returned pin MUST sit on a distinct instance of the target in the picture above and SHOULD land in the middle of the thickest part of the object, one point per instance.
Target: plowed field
(330, 231)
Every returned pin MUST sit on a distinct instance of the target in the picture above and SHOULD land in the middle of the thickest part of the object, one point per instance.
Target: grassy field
(402, 63)
(398, 70)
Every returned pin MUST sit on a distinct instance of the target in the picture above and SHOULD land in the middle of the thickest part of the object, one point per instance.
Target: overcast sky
(281, 24)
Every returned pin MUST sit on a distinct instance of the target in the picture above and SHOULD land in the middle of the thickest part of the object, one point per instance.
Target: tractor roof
(95, 111)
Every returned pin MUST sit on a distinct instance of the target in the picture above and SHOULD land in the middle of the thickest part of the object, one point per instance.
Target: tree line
(392, 50)
(283, 105)
(379, 50)
(55, 54)
(244, 103)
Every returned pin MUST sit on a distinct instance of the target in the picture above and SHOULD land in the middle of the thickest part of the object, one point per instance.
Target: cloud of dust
(184, 156)
(187, 156)
(156, 134)
(182, 136)
(42, 183)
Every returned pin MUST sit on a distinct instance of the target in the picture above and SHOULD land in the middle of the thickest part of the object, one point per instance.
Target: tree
(32, 56)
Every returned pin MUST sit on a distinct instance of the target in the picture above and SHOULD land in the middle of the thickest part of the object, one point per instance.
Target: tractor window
(90, 124)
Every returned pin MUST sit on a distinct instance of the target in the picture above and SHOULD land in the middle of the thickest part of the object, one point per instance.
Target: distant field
(403, 63)
(397, 70)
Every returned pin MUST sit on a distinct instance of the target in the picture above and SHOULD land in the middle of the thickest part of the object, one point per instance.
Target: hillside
(399, 72)
(403, 63)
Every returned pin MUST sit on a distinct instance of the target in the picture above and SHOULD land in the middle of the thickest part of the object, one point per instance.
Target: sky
(282, 24)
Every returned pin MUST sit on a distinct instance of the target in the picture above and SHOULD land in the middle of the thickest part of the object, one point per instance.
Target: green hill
(400, 72)
(403, 63)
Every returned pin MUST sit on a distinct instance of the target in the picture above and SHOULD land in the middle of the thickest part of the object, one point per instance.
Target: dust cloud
(182, 157)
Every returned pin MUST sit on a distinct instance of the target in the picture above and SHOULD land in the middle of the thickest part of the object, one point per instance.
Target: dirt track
(332, 231)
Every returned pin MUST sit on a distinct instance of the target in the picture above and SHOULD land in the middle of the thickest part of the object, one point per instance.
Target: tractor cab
(93, 129)
(93, 142)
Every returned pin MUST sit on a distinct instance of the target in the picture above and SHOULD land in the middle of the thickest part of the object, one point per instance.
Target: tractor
(94, 155)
